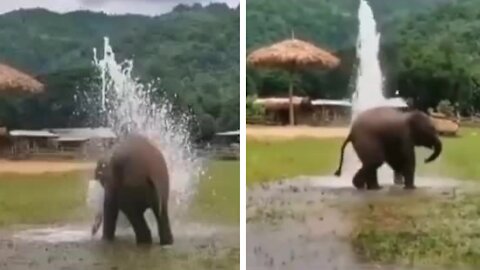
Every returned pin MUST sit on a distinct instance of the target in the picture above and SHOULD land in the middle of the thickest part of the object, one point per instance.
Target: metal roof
(229, 133)
(85, 133)
(32, 133)
(331, 102)
(396, 102)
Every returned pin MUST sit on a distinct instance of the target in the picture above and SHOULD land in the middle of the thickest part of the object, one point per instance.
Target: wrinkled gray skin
(386, 135)
(135, 178)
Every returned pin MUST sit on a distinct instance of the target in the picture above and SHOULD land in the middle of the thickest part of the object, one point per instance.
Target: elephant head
(424, 134)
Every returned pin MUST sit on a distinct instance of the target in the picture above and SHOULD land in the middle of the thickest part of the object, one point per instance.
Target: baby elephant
(384, 134)
(135, 178)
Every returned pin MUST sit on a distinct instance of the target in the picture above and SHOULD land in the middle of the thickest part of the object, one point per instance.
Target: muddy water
(305, 223)
(197, 245)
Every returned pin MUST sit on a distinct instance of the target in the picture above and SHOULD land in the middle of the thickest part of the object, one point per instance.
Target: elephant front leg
(409, 169)
(398, 178)
(110, 215)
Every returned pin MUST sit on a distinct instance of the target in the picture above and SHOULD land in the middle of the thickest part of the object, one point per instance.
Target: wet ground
(199, 246)
(305, 223)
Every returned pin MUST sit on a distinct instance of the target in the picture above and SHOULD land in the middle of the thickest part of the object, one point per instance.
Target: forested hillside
(193, 50)
(428, 48)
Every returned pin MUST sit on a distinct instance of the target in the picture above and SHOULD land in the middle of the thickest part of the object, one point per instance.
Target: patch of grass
(60, 197)
(420, 231)
(43, 198)
(218, 196)
(268, 161)
(459, 158)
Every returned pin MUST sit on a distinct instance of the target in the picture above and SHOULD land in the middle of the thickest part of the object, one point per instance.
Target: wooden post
(290, 96)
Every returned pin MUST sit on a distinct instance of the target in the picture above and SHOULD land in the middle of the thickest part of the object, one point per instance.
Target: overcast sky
(147, 7)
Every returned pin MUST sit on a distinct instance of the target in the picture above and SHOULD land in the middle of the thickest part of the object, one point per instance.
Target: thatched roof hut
(292, 54)
(15, 80)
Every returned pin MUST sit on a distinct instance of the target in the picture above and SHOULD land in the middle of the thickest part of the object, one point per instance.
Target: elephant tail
(338, 172)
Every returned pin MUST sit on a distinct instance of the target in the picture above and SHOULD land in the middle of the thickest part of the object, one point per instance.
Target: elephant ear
(101, 169)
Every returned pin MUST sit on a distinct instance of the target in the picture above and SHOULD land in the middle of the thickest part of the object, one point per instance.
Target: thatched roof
(279, 103)
(15, 80)
(292, 54)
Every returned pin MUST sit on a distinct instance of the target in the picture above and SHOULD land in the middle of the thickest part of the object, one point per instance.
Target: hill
(424, 47)
(193, 50)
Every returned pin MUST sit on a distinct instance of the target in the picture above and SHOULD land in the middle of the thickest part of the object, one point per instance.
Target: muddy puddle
(305, 223)
(197, 245)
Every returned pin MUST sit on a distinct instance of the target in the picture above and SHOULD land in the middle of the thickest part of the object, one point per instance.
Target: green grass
(43, 198)
(218, 196)
(459, 158)
(273, 160)
(60, 197)
(269, 161)
(420, 231)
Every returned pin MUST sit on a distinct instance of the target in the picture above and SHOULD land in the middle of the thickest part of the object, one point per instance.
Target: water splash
(369, 86)
(129, 106)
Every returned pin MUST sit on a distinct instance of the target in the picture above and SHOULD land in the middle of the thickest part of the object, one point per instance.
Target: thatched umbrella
(292, 55)
(15, 80)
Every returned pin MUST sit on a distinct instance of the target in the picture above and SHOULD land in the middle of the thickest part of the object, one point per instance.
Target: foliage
(254, 111)
(446, 108)
(428, 48)
(198, 68)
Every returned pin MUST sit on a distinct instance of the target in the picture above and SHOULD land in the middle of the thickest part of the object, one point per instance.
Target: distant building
(277, 109)
(88, 142)
(318, 112)
(23, 143)
(327, 112)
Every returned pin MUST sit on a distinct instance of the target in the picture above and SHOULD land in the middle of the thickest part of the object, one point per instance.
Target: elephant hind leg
(140, 227)
(359, 179)
(366, 176)
(163, 223)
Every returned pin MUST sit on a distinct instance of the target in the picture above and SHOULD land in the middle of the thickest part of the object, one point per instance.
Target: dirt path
(286, 132)
(37, 167)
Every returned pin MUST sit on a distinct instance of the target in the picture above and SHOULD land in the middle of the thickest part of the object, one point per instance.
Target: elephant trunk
(437, 149)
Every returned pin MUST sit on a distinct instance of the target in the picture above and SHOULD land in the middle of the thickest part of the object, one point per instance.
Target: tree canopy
(428, 48)
(193, 50)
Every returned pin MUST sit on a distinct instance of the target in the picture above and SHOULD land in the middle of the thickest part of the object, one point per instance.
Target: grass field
(60, 197)
(274, 160)
(269, 161)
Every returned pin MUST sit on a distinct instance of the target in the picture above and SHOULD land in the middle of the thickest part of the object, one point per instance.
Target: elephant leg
(140, 227)
(110, 212)
(371, 177)
(163, 224)
(409, 168)
(165, 232)
(359, 178)
(398, 178)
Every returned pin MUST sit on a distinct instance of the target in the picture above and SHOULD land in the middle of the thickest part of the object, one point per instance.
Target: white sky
(146, 7)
